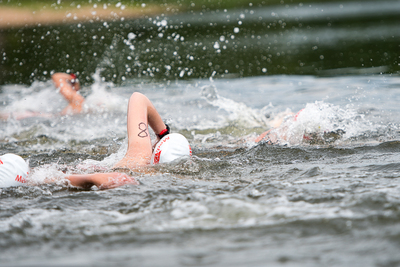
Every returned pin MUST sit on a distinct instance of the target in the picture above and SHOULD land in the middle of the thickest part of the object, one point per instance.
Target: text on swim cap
(157, 157)
(20, 179)
(157, 153)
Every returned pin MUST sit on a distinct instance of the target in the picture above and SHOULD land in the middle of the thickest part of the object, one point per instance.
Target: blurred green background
(200, 39)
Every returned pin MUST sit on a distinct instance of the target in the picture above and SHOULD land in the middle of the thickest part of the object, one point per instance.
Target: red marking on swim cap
(158, 150)
(73, 76)
(1, 162)
(20, 179)
(157, 157)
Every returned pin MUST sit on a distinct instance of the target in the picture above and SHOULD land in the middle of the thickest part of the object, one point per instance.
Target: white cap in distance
(171, 147)
(13, 170)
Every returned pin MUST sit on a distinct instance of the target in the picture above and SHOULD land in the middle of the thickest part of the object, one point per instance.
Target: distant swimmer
(290, 130)
(68, 86)
(140, 152)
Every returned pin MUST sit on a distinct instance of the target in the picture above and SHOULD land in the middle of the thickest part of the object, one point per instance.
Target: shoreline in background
(21, 17)
(28, 14)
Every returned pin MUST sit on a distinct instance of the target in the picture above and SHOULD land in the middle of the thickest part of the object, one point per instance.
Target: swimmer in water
(280, 133)
(68, 85)
(141, 114)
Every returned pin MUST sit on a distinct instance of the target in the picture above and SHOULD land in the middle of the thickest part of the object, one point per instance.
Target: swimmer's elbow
(56, 77)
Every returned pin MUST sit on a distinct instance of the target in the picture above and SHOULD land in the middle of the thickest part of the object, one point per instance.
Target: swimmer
(281, 133)
(68, 85)
(140, 152)
(141, 114)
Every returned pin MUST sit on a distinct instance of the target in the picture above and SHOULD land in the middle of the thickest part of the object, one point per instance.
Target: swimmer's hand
(101, 180)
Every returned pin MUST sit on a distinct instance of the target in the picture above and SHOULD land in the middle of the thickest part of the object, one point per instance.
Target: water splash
(101, 99)
(321, 123)
(238, 113)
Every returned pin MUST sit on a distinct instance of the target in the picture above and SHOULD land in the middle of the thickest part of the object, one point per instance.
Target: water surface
(234, 202)
(220, 78)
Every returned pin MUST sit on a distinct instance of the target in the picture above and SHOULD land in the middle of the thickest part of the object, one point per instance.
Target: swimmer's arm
(101, 180)
(62, 81)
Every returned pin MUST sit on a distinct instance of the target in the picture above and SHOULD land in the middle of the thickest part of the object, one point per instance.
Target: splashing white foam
(239, 113)
(39, 97)
(48, 173)
(101, 99)
(43, 98)
(320, 118)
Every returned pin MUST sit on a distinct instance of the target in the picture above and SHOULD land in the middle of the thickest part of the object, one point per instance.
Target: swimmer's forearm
(101, 180)
(81, 180)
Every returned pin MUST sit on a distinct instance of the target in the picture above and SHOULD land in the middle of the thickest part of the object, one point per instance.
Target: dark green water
(323, 38)
(218, 78)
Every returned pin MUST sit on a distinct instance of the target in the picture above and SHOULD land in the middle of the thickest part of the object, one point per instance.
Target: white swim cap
(13, 170)
(171, 147)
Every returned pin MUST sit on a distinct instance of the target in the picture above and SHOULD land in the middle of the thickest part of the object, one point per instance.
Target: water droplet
(131, 36)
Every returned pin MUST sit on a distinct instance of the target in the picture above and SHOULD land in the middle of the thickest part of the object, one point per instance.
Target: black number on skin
(143, 129)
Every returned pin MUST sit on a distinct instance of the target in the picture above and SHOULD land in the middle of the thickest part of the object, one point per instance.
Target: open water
(332, 202)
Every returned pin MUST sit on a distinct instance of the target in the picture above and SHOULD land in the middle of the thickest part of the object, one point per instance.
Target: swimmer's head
(74, 82)
(170, 148)
(13, 170)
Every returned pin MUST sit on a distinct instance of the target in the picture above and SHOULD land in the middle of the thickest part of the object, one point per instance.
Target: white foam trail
(101, 99)
(39, 97)
(239, 113)
(48, 173)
